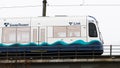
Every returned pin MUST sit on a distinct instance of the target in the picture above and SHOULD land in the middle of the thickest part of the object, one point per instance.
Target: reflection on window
(73, 31)
(59, 31)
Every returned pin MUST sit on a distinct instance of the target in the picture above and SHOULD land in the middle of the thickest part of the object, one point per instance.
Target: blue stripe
(57, 43)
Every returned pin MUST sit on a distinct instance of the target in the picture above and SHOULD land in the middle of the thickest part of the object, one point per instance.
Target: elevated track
(111, 54)
(109, 59)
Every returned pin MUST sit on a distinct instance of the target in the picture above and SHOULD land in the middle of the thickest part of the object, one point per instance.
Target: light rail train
(50, 35)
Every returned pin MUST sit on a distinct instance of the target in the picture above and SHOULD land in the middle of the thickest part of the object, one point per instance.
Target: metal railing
(111, 50)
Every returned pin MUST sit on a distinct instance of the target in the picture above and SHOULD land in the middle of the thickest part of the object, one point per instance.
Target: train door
(39, 34)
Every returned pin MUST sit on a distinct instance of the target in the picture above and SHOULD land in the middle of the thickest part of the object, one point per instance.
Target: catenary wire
(28, 6)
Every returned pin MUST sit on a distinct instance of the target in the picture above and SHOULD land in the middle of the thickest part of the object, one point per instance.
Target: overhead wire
(101, 5)
(27, 6)
(83, 3)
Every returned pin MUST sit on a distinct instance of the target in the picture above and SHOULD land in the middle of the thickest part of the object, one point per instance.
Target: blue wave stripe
(57, 43)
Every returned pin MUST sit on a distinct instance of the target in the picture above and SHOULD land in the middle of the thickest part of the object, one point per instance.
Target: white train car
(50, 34)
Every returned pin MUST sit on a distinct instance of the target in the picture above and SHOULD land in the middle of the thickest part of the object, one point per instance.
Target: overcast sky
(107, 13)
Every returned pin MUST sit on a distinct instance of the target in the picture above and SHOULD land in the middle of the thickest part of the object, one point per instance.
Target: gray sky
(107, 13)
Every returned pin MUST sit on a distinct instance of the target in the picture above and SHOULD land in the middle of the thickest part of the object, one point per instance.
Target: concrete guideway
(100, 59)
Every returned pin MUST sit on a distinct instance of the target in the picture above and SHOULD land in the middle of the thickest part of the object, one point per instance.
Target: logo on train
(13, 25)
(74, 23)
(6, 24)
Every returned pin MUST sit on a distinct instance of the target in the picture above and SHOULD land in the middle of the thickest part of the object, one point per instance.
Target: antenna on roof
(44, 8)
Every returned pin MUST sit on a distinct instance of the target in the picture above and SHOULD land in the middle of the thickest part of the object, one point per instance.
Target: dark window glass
(92, 30)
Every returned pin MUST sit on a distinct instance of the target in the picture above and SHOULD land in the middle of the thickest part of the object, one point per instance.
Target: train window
(23, 35)
(8, 35)
(92, 30)
(13, 35)
(59, 31)
(42, 35)
(73, 31)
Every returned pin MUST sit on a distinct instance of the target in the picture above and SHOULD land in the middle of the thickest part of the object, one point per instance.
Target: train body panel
(50, 34)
